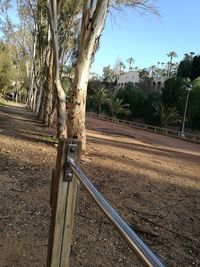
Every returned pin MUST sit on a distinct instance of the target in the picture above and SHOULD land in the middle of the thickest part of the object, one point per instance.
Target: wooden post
(53, 191)
(63, 202)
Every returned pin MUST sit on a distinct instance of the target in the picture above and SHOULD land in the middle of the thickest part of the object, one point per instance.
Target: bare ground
(152, 180)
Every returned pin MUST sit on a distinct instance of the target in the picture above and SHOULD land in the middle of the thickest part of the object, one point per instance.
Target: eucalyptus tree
(53, 12)
(18, 36)
(6, 68)
(62, 15)
(93, 19)
(36, 10)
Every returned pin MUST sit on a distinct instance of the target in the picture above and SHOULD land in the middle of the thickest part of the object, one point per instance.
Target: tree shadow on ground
(150, 204)
(137, 198)
(25, 126)
(139, 164)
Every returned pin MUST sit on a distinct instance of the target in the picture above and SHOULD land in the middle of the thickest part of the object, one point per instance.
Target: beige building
(158, 83)
(134, 77)
(124, 78)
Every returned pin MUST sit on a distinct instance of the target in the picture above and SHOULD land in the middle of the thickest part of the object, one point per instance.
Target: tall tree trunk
(39, 98)
(77, 104)
(35, 92)
(61, 109)
(32, 73)
(61, 96)
(54, 109)
(92, 25)
(49, 88)
(41, 108)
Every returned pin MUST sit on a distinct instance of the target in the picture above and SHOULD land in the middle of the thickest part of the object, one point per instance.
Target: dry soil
(153, 181)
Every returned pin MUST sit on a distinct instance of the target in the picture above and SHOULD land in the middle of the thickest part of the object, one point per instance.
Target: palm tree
(122, 67)
(130, 61)
(166, 115)
(117, 106)
(192, 54)
(100, 96)
(171, 55)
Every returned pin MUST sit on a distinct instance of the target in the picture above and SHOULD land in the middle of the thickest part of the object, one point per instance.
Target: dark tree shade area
(173, 94)
(195, 72)
(189, 67)
(141, 99)
(135, 98)
(193, 121)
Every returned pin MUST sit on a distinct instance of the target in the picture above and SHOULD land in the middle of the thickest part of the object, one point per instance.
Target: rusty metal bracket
(71, 155)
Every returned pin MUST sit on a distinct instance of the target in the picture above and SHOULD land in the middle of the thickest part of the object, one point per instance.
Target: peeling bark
(61, 96)
(92, 25)
(61, 110)
(77, 104)
(39, 98)
(34, 99)
(49, 88)
(53, 113)
(32, 73)
(41, 108)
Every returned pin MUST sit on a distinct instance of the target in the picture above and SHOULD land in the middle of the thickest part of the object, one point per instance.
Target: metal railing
(150, 128)
(63, 202)
(144, 254)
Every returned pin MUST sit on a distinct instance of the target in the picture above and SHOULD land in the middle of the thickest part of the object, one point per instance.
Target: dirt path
(152, 180)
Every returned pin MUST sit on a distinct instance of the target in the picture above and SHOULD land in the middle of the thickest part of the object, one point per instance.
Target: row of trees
(163, 69)
(55, 41)
(162, 107)
(6, 68)
(131, 103)
(189, 67)
(101, 98)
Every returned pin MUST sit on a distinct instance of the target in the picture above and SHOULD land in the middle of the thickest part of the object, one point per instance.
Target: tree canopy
(46, 56)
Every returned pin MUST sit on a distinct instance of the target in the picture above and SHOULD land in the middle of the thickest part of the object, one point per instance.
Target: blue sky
(149, 38)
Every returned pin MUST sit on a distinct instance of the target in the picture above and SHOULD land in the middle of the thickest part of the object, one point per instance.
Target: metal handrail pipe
(145, 255)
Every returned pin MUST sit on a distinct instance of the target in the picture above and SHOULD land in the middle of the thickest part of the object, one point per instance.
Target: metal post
(63, 202)
(188, 88)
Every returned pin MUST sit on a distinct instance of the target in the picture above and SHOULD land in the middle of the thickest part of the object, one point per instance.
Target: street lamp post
(188, 88)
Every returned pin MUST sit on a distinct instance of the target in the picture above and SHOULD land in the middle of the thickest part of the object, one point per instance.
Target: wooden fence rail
(169, 132)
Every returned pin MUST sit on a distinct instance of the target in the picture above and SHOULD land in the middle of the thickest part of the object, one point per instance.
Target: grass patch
(52, 139)
(3, 102)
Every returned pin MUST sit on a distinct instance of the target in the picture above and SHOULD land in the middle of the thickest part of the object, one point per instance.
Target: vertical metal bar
(184, 117)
